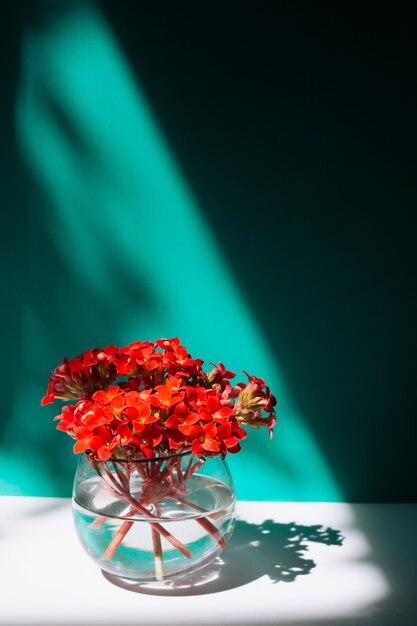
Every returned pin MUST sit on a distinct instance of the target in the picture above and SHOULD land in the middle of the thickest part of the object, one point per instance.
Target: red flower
(218, 412)
(182, 416)
(166, 395)
(81, 376)
(67, 419)
(149, 437)
(219, 373)
(148, 398)
(178, 361)
(99, 443)
(253, 401)
(214, 439)
(138, 359)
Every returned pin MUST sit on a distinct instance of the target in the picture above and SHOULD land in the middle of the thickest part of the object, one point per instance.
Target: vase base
(204, 575)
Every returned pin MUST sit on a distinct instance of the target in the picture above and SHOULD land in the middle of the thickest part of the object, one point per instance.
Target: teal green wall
(239, 178)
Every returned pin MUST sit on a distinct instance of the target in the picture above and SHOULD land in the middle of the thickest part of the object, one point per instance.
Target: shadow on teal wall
(260, 216)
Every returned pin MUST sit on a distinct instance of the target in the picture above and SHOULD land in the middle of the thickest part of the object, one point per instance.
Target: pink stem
(138, 507)
(156, 527)
(212, 530)
(126, 526)
(117, 540)
(157, 551)
(160, 529)
(205, 523)
(193, 468)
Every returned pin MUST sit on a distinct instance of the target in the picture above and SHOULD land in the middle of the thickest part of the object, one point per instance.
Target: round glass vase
(153, 519)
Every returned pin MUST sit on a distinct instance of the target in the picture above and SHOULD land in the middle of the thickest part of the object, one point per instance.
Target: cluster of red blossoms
(151, 398)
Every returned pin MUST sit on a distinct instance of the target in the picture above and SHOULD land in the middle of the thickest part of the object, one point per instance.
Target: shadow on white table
(276, 550)
(299, 564)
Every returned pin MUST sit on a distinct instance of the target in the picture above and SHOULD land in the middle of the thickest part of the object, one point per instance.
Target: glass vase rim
(143, 459)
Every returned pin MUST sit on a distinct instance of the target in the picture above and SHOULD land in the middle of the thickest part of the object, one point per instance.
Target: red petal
(231, 442)
(118, 403)
(213, 404)
(148, 452)
(224, 412)
(211, 445)
(192, 431)
(105, 433)
(210, 430)
(224, 430)
(181, 411)
(205, 415)
(104, 452)
(144, 410)
(156, 440)
(172, 422)
(124, 431)
(131, 413)
(151, 419)
(95, 442)
(196, 447)
(192, 418)
(81, 446)
(81, 432)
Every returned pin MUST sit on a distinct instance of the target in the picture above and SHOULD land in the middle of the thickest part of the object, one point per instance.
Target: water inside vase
(99, 517)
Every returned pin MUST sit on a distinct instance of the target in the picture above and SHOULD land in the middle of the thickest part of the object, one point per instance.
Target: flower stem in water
(117, 540)
(157, 551)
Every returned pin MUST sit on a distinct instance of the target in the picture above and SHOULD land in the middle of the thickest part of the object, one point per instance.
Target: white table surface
(267, 577)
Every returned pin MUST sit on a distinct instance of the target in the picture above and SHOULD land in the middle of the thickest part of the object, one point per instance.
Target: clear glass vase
(153, 519)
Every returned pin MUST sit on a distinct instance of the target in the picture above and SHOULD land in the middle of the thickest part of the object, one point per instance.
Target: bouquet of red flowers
(151, 401)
